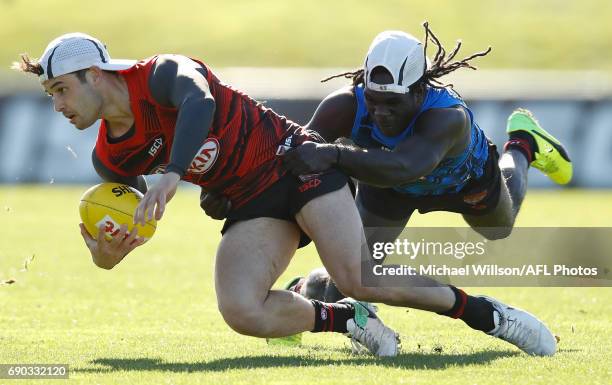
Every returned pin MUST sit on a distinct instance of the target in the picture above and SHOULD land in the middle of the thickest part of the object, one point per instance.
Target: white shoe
(522, 329)
(367, 331)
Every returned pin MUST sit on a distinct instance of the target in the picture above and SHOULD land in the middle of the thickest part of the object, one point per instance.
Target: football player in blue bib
(416, 145)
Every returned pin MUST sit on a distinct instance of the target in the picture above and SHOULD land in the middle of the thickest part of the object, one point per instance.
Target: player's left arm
(179, 82)
(438, 132)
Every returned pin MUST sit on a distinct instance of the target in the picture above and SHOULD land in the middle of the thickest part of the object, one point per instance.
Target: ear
(94, 75)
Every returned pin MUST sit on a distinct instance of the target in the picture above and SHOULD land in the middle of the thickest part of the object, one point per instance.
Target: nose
(58, 104)
(381, 112)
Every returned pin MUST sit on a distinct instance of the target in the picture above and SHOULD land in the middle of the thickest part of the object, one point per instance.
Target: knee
(245, 318)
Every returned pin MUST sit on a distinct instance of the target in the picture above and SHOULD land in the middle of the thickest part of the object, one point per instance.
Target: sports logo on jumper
(206, 157)
(157, 143)
(283, 148)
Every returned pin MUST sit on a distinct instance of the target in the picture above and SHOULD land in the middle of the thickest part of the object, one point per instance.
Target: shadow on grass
(406, 361)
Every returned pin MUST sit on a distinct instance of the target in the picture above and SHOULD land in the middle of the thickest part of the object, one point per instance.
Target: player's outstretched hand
(106, 254)
(214, 205)
(154, 201)
(310, 157)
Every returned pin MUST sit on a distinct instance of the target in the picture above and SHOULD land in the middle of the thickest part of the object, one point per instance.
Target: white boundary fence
(40, 146)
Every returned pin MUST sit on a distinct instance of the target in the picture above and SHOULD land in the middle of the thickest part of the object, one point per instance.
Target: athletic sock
(522, 142)
(476, 312)
(332, 317)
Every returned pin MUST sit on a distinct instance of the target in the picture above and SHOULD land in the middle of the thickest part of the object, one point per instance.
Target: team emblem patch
(312, 183)
(206, 157)
(323, 314)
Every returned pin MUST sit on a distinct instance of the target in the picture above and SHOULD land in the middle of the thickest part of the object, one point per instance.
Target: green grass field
(153, 319)
(548, 34)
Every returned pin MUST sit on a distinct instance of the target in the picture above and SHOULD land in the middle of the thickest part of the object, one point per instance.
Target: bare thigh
(333, 223)
(250, 258)
(378, 229)
(498, 223)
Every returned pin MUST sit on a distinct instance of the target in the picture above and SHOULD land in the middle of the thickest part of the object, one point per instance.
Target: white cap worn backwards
(76, 51)
(399, 53)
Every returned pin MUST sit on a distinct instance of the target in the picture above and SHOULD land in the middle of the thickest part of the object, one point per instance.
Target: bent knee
(245, 318)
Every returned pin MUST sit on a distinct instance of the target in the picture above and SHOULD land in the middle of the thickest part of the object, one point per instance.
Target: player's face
(75, 99)
(392, 112)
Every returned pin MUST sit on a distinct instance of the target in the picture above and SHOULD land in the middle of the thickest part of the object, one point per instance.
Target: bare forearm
(378, 167)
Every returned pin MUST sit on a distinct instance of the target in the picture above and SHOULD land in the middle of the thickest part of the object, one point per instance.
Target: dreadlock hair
(440, 66)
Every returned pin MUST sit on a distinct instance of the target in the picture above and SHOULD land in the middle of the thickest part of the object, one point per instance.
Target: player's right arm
(107, 254)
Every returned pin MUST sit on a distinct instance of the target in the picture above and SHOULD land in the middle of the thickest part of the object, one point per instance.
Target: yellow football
(111, 205)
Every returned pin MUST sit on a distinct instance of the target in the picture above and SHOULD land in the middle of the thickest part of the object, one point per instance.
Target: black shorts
(478, 197)
(285, 198)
